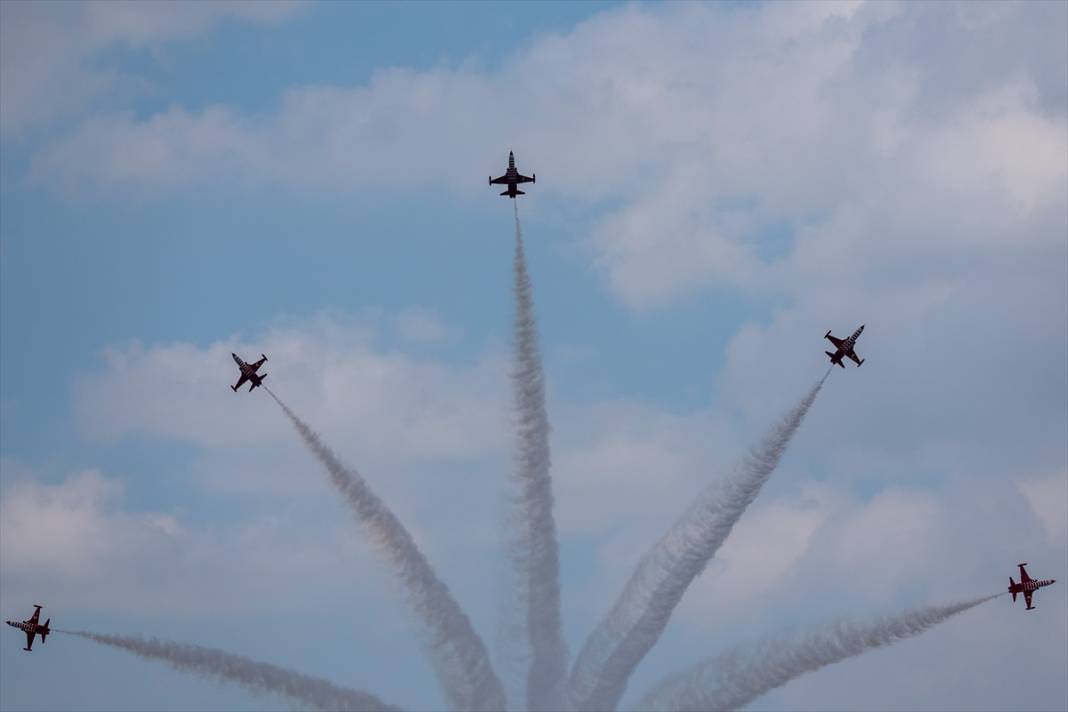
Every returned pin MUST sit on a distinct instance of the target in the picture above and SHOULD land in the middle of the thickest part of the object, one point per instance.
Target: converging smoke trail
(255, 676)
(735, 679)
(532, 547)
(620, 641)
(458, 654)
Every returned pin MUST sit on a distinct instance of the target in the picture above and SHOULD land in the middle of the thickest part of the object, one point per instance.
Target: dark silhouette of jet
(512, 178)
(1027, 586)
(844, 347)
(31, 627)
(248, 373)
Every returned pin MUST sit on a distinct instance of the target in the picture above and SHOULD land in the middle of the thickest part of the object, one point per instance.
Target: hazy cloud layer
(741, 144)
(81, 541)
(47, 50)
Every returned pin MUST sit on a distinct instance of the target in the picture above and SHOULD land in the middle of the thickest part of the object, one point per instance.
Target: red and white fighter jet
(31, 627)
(1027, 586)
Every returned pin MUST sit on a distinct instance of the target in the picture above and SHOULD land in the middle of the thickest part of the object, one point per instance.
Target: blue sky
(718, 186)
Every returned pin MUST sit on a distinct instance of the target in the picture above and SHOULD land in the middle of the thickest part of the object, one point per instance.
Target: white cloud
(385, 405)
(421, 326)
(47, 49)
(716, 127)
(80, 543)
(761, 553)
(1048, 497)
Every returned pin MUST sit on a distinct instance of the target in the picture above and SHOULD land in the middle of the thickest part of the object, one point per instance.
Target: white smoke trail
(737, 678)
(532, 547)
(620, 641)
(457, 653)
(255, 676)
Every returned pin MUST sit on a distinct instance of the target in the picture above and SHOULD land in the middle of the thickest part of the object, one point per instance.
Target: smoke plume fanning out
(458, 654)
(255, 676)
(532, 545)
(735, 679)
(614, 649)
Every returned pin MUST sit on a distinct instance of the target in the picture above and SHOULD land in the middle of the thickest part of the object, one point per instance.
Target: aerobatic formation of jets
(249, 372)
(31, 627)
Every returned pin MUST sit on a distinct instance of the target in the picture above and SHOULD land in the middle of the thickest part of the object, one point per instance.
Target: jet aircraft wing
(503, 180)
(1024, 578)
(29, 640)
(835, 340)
(36, 616)
(240, 381)
(524, 179)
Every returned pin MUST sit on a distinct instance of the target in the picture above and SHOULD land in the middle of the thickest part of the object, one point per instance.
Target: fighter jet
(248, 372)
(512, 178)
(31, 627)
(844, 347)
(1027, 586)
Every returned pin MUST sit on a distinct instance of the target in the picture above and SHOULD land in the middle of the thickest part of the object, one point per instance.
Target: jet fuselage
(512, 178)
(31, 627)
(844, 347)
(1027, 586)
